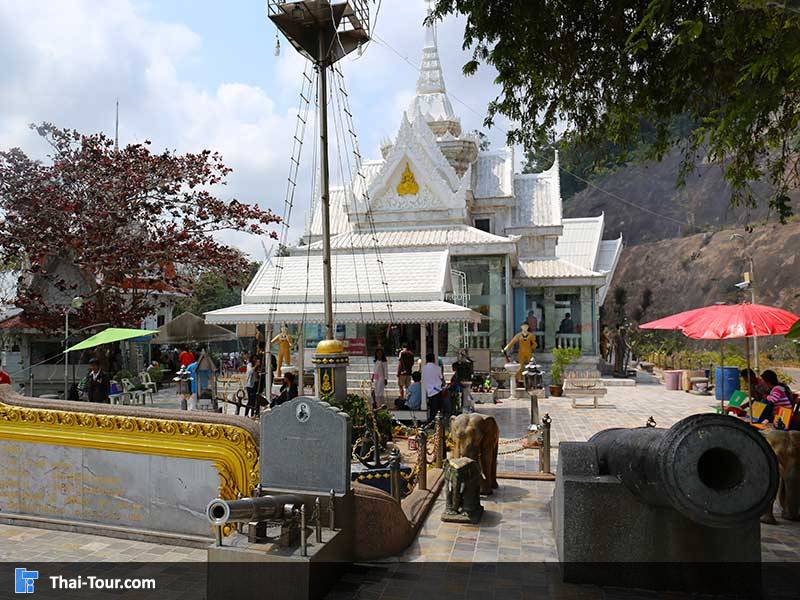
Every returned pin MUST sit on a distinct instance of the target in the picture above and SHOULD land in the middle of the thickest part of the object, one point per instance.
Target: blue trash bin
(726, 378)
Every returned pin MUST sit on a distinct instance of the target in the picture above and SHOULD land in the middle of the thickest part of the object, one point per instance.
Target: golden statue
(527, 344)
(284, 341)
(408, 184)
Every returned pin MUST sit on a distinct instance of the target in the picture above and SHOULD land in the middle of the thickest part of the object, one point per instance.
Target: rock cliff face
(701, 269)
(701, 205)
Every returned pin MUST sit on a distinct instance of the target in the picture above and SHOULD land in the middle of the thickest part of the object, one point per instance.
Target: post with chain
(332, 511)
(440, 441)
(394, 473)
(318, 520)
(544, 449)
(422, 460)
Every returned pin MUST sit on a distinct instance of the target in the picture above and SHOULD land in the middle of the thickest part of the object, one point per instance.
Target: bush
(157, 375)
(356, 407)
(123, 374)
(562, 358)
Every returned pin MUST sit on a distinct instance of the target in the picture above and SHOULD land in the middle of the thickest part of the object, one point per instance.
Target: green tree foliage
(212, 292)
(731, 67)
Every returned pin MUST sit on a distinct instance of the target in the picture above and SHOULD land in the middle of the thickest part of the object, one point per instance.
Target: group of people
(767, 389)
(255, 382)
(430, 378)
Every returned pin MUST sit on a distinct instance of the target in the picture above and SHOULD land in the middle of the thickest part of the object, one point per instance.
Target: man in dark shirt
(97, 383)
(405, 365)
(566, 325)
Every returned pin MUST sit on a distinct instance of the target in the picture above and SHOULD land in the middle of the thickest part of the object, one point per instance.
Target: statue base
(473, 517)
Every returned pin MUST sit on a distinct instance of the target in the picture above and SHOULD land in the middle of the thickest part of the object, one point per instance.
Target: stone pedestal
(600, 527)
(330, 371)
(513, 369)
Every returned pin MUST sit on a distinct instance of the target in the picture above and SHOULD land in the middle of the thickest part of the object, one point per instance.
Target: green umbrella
(794, 332)
(112, 334)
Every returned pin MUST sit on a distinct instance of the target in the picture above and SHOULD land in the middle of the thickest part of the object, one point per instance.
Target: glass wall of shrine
(559, 317)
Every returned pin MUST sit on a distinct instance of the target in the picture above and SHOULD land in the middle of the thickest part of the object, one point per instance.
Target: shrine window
(484, 225)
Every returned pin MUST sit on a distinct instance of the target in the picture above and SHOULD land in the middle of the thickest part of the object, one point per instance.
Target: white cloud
(66, 61)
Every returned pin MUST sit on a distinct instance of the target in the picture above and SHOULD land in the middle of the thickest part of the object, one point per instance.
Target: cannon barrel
(713, 469)
(246, 510)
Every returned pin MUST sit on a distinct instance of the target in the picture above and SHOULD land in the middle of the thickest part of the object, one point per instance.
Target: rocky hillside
(701, 269)
(701, 205)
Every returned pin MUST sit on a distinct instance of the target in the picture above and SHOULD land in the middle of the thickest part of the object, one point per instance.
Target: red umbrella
(726, 321)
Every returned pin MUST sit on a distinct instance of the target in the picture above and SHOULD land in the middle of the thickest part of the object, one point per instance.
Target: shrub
(562, 358)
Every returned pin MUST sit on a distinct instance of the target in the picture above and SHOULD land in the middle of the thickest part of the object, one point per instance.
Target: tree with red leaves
(131, 226)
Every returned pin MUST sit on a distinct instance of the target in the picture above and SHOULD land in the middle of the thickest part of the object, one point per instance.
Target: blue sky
(201, 74)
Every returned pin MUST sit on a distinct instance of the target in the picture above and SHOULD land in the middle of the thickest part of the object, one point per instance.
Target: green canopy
(112, 334)
(794, 332)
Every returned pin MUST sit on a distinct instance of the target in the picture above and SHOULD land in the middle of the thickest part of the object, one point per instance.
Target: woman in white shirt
(380, 374)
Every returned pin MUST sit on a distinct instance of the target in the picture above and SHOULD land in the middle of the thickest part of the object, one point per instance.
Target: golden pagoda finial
(408, 184)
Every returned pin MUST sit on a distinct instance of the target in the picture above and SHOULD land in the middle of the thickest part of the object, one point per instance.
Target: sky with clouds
(194, 74)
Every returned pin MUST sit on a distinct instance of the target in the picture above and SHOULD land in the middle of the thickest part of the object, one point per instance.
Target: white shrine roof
(420, 275)
(442, 237)
(580, 241)
(607, 259)
(430, 311)
(493, 174)
(538, 198)
(554, 268)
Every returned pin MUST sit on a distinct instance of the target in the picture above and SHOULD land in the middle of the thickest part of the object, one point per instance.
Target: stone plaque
(305, 446)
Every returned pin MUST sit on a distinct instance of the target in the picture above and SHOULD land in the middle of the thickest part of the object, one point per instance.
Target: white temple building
(455, 226)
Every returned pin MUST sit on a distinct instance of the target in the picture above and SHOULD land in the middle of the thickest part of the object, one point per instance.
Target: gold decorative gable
(408, 185)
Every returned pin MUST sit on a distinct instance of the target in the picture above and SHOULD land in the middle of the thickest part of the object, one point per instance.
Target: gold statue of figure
(527, 344)
(408, 184)
(285, 342)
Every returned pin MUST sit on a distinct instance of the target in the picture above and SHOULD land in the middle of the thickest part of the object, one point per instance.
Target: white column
(436, 340)
(587, 327)
(550, 326)
(268, 360)
(301, 356)
(509, 301)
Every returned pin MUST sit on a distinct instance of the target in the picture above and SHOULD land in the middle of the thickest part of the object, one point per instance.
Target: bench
(577, 388)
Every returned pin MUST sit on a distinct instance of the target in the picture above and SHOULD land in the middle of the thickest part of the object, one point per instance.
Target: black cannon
(713, 469)
(248, 510)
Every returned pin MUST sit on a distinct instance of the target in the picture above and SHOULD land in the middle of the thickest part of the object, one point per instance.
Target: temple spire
(431, 79)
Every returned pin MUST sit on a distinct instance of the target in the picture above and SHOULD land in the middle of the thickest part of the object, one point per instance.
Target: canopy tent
(110, 335)
(430, 311)
(728, 321)
(189, 328)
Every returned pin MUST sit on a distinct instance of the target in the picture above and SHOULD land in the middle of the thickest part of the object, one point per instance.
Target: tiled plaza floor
(515, 527)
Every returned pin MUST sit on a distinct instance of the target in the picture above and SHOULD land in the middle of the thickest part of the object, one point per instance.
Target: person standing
(433, 382)
(5, 378)
(405, 365)
(566, 326)
(97, 383)
(185, 358)
(251, 385)
(380, 374)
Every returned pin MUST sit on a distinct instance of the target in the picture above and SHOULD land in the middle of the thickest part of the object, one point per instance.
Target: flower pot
(556, 390)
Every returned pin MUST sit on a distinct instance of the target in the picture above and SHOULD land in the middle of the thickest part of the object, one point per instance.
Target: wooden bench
(575, 389)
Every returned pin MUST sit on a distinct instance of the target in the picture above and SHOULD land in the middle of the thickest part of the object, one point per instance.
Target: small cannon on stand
(260, 513)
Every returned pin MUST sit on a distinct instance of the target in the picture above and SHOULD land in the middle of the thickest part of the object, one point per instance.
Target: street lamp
(76, 304)
(748, 284)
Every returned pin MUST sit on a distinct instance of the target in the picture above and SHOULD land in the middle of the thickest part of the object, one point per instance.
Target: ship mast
(323, 31)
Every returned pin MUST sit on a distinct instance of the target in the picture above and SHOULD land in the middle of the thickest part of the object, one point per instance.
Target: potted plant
(562, 358)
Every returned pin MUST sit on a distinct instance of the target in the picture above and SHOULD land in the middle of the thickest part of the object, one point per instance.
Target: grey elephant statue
(462, 479)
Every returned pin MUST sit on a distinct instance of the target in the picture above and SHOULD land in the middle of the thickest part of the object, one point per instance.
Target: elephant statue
(786, 445)
(477, 436)
(462, 479)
